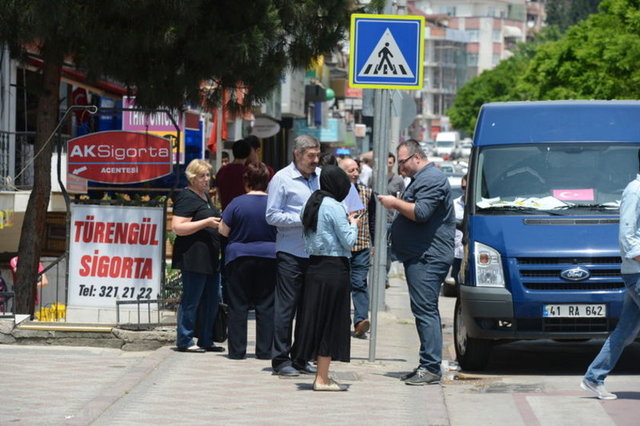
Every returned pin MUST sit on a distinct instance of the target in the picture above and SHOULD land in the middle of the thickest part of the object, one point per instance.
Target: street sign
(387, 51)
(119, 157)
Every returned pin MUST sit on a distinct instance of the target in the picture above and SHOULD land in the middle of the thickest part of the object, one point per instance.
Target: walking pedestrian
(195, 252)
(250, 264)
(423, 238)
(360, 259)
(628, 326)
(323, 333)
(288, 192)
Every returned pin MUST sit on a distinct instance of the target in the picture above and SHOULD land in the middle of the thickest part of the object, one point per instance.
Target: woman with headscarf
(324, 332)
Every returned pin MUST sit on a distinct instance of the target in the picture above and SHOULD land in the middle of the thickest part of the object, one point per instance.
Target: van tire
(472, 354)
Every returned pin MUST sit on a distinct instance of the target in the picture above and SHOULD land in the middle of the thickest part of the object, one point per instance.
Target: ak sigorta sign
(119, 157)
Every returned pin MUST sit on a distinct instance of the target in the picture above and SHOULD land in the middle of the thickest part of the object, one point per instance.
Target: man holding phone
(422, 237)
(360, 252)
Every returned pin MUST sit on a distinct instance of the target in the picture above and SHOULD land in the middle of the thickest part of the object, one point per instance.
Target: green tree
(596, 59)
(565, 13)
(496, 85)
(163, 51)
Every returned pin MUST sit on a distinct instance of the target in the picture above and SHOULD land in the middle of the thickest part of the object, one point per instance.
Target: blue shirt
(334, 235)
(288, 193)
(432, 234)
(629, 234)
(250, 234)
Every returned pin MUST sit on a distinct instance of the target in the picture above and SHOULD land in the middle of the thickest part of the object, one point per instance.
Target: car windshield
(576, 178)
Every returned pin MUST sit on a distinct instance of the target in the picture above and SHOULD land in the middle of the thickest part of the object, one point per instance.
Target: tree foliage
(162, 51)
(565, 13)
(595, 59)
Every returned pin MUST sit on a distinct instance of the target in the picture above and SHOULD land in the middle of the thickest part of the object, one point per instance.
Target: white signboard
(115, 253)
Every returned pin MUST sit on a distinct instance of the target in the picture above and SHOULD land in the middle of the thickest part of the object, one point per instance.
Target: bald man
(360, 252)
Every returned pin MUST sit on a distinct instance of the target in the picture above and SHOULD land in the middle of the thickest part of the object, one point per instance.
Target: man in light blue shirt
(288, 192)
(628, 325)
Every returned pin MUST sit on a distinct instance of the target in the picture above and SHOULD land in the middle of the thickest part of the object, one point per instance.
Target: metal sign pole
(382, 112)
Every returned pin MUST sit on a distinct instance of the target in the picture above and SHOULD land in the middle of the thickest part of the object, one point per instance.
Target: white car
(465, 149)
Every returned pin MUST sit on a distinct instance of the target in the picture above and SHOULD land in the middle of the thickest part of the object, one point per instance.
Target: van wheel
(472, 354)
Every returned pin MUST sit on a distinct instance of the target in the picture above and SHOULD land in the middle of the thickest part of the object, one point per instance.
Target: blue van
(541, 223)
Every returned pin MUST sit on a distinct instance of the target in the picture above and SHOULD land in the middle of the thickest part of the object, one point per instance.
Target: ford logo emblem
(575, 274)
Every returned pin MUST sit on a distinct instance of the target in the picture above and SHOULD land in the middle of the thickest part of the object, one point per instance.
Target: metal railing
(16, 159)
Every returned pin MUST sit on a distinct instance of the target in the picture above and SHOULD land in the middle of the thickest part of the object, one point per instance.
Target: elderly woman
(329, 233)
(195, 253)
(250, 263)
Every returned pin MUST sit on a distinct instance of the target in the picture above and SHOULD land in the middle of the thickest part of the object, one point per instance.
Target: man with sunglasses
(422, 237)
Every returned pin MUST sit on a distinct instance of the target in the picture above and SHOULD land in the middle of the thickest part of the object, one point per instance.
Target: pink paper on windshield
(574, 194)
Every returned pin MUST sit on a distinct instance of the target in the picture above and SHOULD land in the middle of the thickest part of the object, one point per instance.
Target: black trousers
(288, 300)
(251, 281)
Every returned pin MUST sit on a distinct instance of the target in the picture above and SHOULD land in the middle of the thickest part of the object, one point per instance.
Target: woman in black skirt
(324, 331)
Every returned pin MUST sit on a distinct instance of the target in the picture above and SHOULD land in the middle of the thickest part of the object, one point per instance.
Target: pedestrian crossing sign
(386, 51)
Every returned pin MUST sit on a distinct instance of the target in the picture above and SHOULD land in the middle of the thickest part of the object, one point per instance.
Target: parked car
(465, 147)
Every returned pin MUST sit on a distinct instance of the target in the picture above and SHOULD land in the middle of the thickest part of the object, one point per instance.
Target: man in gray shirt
(422, 236)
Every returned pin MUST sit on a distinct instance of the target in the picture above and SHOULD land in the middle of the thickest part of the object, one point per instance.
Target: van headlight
(488, 266)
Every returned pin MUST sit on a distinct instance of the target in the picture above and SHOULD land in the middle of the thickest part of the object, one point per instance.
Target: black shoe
(423, 377)
(306, 369)
(409, 375)
(286, 370)
(213, 348)
(233, 356)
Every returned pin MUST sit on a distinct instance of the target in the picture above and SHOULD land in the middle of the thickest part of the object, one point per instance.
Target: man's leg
(625, 332)
(424, 281)
(360, 263)
(289, 284)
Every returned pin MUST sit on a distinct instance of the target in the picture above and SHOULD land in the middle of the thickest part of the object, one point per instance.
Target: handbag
(221, 324)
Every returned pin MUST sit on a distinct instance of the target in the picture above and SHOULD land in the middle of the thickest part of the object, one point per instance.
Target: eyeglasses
(401, 162)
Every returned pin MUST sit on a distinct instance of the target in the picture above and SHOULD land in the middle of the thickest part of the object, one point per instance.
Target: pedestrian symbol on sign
(386, 59)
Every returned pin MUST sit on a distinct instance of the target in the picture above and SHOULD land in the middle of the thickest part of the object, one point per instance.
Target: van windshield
(445, 144)
(579, 178)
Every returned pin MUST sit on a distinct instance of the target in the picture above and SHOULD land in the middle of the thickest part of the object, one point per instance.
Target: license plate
(575, 311)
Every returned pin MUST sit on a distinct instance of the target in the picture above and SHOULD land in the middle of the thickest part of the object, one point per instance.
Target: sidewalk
(79, 385)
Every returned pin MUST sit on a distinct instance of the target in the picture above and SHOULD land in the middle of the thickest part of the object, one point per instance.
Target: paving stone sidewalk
(102, 386)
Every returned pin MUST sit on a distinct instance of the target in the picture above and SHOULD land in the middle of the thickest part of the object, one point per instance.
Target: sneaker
(597, 389)
(362, 327)
(409, 375)
(423, 377)
(333, 386)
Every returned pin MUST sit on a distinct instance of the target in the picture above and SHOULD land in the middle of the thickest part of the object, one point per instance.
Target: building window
(448, 10)
(496, 36)
(491, 11)
(495, 59)
(472, 59)
(473, 35)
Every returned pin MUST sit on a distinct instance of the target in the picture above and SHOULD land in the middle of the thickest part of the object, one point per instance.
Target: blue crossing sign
(387, 51)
